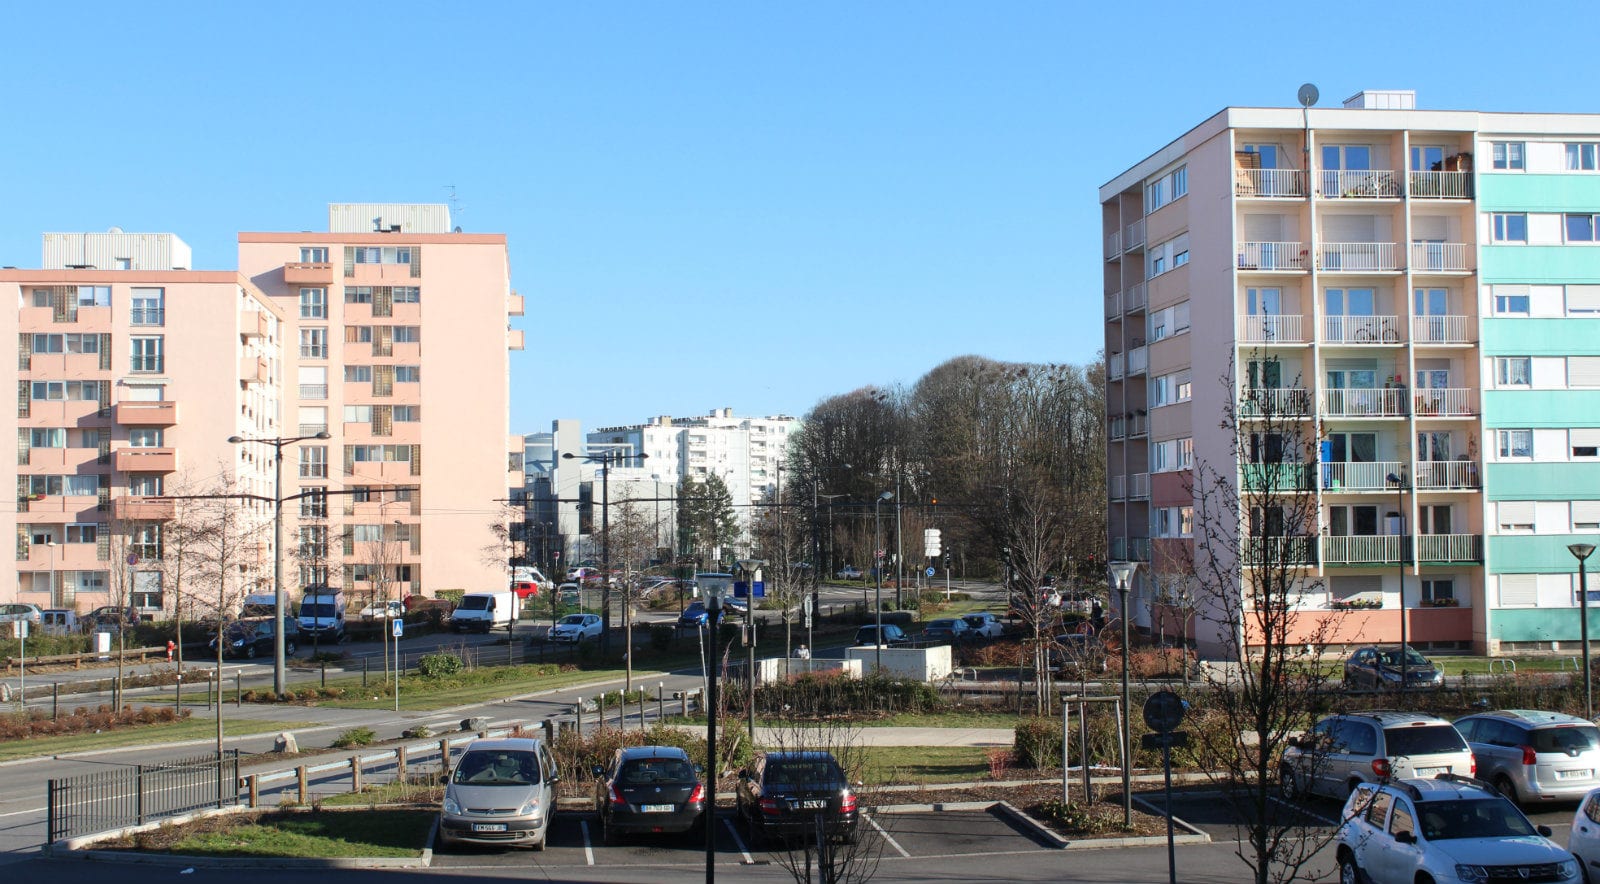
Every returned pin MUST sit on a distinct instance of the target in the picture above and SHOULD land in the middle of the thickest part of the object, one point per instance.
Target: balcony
(1363, 402)
(311, 429)
(145, 460)
(1134, 297)
(254, 324)
(308, 273)
(1278, 256)
(313, 391)
(1440, 257)
(254, 370)
(1272, 330)
(1116, 429)
(1118, 487)
(515, 306)
(1439, 185)
(1444, 402)
(1266, 478)
(1267, 183)
(1441, 329)
(1114, 366)
(1139, 486)
(514, 338)
(1277, 552)
(1358, 257)
(1447, 475)
(1113, 245)
(1138, 361)
(1361, 329)
(1138, 549)
(1340, 477)
(1450, 548)
(1380, 549)
(1114, 305)
(1139, 425)
(146, 414)
(1359, 184)
(1274, 402)
(143, 509)
(1133, 236)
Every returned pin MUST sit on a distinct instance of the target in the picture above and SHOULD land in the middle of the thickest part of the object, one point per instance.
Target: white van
(322, 614)
(58, 621)
(483, 611)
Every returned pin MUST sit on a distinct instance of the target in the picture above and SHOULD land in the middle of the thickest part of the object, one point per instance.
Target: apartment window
(1514, 443)
(47, 437)
(313, 303)
(1511, 302)
(408, 413)
(1513, 371)
(408, 374)
(1171, 321)
(385, 255)
(313, 419)
(94, 296)
(354, 414)
(89, 438)
(122, 263)
(1514, 516)
(314, 541)
(313, 254)
(145, 437)
(380, 453)
(358, 374)
(70, 391)
(1173, 521)
(1579, 228)
(1165, 189)
(82, 532)
(407, 294)
(315, 503)
(67, 343)
(407, 334)
(358, 294)
(313, 461)
(358, 334)
(366, 533)
(1586, 515)
(1583, 300)
(1172, 454)
(58, 486)
(314, 343)
(1584, 442)
(145, 354)
(145, 485)
(1507, 155)
(1510, 227)
(1581, 157)
(1438, 589)
(1179, 259)
(1169, 389)
(313, 381)
(148, 307)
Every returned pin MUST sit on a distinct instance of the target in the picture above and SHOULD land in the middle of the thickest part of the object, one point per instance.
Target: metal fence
(130, 795)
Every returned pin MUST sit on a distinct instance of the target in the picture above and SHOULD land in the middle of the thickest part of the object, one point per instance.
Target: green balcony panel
(1538, 193)
(1541, 337)
(1535, 554)
(1541, 408)
(1540, 624)
(1539, 264)
(1543, 481)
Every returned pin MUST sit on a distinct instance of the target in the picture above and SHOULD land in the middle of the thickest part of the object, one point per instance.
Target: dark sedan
(893, 636)
(1381, 667)
(785, 795)
(649, 789)
(252, 637)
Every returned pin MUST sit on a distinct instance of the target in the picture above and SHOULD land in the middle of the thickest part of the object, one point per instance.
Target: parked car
(1584, 839)
(1078, 653)
(108, 618)
(500, 792)
(849, 572)
(649, 789)
(781, 794)
(574, 628)
(1531, 756)
(892, 635)
(946, 630)
(1343, 751)
(570, 593)
(383, 610)
(694, 615)
(984, 625)
(251, 637)
(59, 621)
(1448, 828)
(19, 611)
(1380, 667)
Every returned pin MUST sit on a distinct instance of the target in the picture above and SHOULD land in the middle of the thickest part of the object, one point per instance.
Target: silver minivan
(501, 792)
(1343, 751)
(1533, 756)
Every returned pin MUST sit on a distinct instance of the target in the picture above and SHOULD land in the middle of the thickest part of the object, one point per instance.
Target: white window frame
(313, 303)
(1500, 227)
(314, 342)
(1513, 371)
(1507, 447)
(1508, 156)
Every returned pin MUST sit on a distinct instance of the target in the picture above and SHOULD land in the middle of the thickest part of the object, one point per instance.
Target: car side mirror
(699, 770)
(599, 771)
(1405, 837)
(553, 779)
(1545, 831)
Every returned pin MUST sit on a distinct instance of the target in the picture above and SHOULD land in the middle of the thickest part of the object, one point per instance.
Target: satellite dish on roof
(114, 230)
(1308, 95)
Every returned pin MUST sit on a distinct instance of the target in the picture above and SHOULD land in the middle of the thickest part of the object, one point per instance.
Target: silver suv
(1534, 756)
(1343, 751)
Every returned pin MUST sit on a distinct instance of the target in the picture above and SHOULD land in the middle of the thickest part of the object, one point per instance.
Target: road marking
(739, 842)
(1298, 809)
(588, 849)
(886, 836)
(21, 812)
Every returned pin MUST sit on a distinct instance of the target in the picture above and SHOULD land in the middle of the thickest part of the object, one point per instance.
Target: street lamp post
(899, 547)
(713, 592)
(751, 568)
(1122, 572)
(279, 675)
(1399, 483)
(605, 461)
(1581, 552)
(51, 545)
(877, 576)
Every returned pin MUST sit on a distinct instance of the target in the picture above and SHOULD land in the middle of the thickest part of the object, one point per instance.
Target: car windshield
(1413, 659)
(803, 773)
(1567, 740)
(572, 620)
(310, 610)
(656, 770)
(1425, 740)
(499, 767)
(1472, 818)
(475, 603)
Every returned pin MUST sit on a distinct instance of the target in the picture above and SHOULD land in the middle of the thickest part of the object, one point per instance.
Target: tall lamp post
(277, 443)
(1399, 483)
(751, 568)
(605, 460)
(1121, 573)
(1581, 552)
(713, 591)
(877, 576)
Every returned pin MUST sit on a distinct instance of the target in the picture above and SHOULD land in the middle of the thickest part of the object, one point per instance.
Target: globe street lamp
(713, 591)
(1121, 573)
(1581, 552)
(279, 675)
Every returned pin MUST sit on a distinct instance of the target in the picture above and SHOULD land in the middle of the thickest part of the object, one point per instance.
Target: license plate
(488, 827)
(657, 808)
(1430, 771)
(814, 804)
(1574, 774)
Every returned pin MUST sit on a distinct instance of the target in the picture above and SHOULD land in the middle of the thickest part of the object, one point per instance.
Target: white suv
(1447, 829)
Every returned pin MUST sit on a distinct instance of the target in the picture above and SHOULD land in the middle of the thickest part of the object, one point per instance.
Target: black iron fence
(134, 794)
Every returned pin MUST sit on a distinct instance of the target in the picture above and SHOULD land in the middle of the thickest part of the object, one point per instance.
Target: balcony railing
(1139, 425)
(1273, 256)
(1440, 185)
(1113, 244)
(1133, 236)
(146, 414)
(1441, 329)
(1342, 476)
(1272, 329)
(1364, 550)
(308, 273)
(1139, 486)
(1114, 366)
(1114, 305)
(1450, 547)
(1269, 182)
(1363, 402)
(313, 391)
(1138, 549)
(1439, 257)
(147, 316)
(1138, 360)
(1274, 552)
(1446, 475)
(1133, 297)
(1119, 549)
(1359, 184)
(142, 509)
(1264, 478)
(1258, 402)
(1358, 257)
(1361, 329)
(1119, 487)
(312, 429)
(1117, 429)
(1443, 402)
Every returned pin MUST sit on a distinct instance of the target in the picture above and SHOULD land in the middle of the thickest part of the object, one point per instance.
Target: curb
(1049, 835)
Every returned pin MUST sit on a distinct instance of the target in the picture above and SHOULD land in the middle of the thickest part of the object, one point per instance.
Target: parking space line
(1298, 809)
(588, 849)
(886, 836)
(739, 842)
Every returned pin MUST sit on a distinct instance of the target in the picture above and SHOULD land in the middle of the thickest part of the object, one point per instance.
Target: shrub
(824, 695)
(356, 736)
(420, 732)
(440, 665)
(1074, 817)
(661, 638)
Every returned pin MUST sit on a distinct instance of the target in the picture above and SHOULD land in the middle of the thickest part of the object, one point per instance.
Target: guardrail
(138, 655)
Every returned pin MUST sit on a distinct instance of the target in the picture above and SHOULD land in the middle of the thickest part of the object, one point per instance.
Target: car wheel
(250, 652)
(1583, 869)
(1349, 872)
(289, 648)
(1504, 786)
(1288, 786)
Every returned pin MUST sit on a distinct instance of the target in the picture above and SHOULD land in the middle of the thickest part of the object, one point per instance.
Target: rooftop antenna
(1308, 96)
(455, 204)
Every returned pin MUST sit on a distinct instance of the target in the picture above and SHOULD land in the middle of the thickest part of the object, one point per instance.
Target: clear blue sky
(747, 204)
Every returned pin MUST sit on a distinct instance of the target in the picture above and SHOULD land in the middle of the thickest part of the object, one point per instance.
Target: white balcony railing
(1139, 486)
(1138, 549)
(1114, 305)
(1114, 365)
(1340, 477)
(1341, 329)
(1358, 257)
(1116, 428)
(1444, 402)
(313, 391)
(1133, 297)
(1359, 184)
(1270, 182)
(1133, 236)
(1439, 257)
(1274, 402)
(1446, 475)
(1440, 185)
(1363, 402)
(1441, 329)
(1119, 487)
(1450, 547)
(1361, 550)
(1272, 329)
(1113, 244)
(1138, 360)
(1272, 256)
(1139, 426)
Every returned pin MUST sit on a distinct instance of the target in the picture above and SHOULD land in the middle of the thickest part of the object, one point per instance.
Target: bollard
(683, 703)
(550, 731)
(355, 773)
(55, 701)
(641, 710)
(253, 785)
(400, 763)
(324, 673)
(444, 760)
(177, 693)
(600, 709)
(238, 690)
(661, 700)
(580, 716)
(363, 672)
(302, 784)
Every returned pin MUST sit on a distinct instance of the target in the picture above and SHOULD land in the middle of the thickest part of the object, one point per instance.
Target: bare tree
(829, 853)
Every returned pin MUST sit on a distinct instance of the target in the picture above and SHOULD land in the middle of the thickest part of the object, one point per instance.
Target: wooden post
(400, 762)
(302, 784)
(355, 773)
(550, 731)
(444, 759)
(252, 785)
(580, 716)
(600, 704)
(641, 710)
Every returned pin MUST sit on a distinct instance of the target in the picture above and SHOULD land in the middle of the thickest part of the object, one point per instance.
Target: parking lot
(574, 840)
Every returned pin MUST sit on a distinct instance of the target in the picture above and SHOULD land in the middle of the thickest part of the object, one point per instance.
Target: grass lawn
(194, 728)
(414, 792)
(485, 683)
(887, 765)
(371, 833)
(952, 719)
